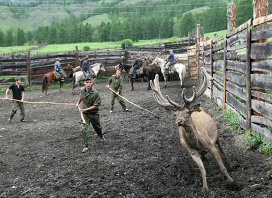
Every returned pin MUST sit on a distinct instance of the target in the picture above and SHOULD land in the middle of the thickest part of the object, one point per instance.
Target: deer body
(197, 129)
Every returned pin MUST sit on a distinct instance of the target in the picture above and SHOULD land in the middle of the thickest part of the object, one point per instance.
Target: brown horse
(51, 76)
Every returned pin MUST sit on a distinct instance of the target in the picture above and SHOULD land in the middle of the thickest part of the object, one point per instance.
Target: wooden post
(225, 70)
(260, 8)
(198, 32)
(188, 62)
(211, 61)
(248, 73)
(76, 56)
(231, 17)
(28, 69)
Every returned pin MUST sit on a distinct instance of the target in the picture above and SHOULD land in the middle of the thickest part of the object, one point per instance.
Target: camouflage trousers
(61, 74)
(91, 118)
(119, 99)
(16, 106)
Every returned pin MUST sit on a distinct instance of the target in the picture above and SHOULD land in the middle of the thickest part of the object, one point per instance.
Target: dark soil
(142, 157)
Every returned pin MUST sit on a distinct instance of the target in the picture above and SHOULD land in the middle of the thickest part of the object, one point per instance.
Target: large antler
(200, 91)
(167, 103)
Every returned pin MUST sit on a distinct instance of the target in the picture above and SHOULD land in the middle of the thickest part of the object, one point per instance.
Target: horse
(147, 71)
(124, 67)
(78, 76)
(51, 76)
(177, 68)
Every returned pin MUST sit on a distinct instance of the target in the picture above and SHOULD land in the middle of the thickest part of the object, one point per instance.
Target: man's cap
(88, 78)
(58, 59)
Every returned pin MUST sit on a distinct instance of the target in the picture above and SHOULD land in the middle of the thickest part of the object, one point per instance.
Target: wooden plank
(263, 66)
(207, 60)
(218, 56)
(236, 78)
(240, 107)
(262, 108)
(241, 119)
(218, 78)
(261, 81)
(218, 47)
(261, 120)
(264, 132)
(218, 65)
(261, 20)
(235, 56)
(240, 37)
(236, 90)
(248, 80)
(211, 67)
(261, 50)
(218, 96)
(225, 70)
(264, 96)
(240, 28)
(236, 66)
(261, 32)
(237, 47)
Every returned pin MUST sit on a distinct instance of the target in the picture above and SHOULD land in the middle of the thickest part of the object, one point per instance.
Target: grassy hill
(98, 19)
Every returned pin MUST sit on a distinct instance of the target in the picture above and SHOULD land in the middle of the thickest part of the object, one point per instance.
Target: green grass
(98, 19)
(7, 50)
(72, 46)
(232, 122)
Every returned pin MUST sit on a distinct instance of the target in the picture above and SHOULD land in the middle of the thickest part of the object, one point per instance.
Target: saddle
(139, 71)
(57, 75)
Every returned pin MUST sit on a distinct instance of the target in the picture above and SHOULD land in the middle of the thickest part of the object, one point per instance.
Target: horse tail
(74, 81)
(44, 84)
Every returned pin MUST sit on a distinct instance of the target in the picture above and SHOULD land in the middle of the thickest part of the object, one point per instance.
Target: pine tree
(9, 37)
(20, 37)
(2, 38)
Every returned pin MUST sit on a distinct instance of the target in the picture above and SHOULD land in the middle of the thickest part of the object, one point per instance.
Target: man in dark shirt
(18, 92)
(85, 67)
(137, 64)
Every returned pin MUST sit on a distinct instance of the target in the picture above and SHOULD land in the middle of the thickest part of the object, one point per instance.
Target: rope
(132, 102)
(56, 103)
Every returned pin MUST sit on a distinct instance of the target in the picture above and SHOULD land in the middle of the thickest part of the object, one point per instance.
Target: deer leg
(196, 157)
(223, 151)
(165, 79)
(218, 158)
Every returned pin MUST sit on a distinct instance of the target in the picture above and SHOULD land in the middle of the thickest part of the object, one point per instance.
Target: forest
(151, 20)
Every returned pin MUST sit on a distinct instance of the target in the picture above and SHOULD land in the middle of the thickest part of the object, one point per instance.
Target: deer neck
(190, 133)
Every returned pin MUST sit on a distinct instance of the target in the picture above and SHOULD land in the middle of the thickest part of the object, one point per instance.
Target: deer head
(182, 112)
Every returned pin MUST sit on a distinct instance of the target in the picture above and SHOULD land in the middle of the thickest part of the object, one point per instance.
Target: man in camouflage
(91, 101)
(116, 83)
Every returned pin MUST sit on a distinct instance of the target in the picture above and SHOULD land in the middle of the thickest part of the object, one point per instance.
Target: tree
(186, 24)
(9, 37)
(20, 37)
(2, 38)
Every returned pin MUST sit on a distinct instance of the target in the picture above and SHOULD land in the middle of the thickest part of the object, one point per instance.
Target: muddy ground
(142, 157)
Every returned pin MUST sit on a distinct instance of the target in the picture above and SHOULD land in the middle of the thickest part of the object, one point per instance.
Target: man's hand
(78, 105)
(82, 110)
(117, 93)
(108, 86)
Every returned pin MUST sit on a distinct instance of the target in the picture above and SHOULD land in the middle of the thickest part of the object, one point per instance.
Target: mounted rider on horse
(58, 70)
(171, 61)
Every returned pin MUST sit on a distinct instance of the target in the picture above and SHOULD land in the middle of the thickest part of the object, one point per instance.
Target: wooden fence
(241, 68)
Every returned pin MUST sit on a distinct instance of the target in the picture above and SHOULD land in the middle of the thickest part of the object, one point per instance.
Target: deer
(197, 129)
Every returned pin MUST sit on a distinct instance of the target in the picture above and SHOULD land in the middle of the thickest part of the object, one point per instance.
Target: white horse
(178, 68)
(78, 76)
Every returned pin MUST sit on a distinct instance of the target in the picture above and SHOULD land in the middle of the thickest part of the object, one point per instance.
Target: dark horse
(51, 76)
(147, 71)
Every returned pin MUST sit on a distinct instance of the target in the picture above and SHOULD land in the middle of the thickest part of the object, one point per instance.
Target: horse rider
(137, 64)
(85, 67)
(170, 59)
(91, 101)
(59, 71)
(116, 83)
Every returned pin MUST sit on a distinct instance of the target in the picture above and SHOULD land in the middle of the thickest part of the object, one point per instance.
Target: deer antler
(167, 103)
(200, 91)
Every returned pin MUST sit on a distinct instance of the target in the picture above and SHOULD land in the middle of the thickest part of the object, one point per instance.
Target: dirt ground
(143, 156)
